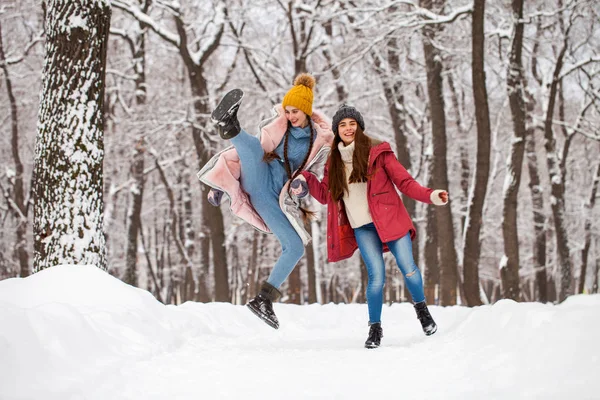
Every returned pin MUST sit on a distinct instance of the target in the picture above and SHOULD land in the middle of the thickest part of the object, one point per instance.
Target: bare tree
(597, 271)
(195, 54)
(136, 41)
(587, 230)
(482, 169)
(432, 260)
(16, 196)
(68, 175)
(539, 218)
(433, 64)
(535, 187)
(465, 170)
(516, 88)
(556, 171)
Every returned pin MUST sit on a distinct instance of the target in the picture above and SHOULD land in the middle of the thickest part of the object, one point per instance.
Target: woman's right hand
(299, 187)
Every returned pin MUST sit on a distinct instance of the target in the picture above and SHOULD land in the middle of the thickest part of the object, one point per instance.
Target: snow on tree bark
(557, 198)
(588, 230)
(539, 218)
(465, 171)
(514, 164)
(69, 150)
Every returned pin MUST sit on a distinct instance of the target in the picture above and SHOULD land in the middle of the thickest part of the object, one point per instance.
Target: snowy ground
(74, 332)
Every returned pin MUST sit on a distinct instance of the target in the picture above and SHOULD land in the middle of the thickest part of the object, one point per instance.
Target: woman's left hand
(439, 197)
(444, 196)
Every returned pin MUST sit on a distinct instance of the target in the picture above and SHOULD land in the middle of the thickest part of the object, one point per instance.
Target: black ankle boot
(375, 335)
(427, 322)
(225, 115)
(262, 304)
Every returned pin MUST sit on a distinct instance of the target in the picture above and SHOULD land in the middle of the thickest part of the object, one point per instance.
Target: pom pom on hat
(301, 95)
(346, 111)
(306, 80)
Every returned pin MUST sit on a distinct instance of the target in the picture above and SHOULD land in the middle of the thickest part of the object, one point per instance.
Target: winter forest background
(104, 123)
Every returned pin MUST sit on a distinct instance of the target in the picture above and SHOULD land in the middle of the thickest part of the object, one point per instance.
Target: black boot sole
(260, 315)
(433, 330)
(371, 346)
(227, 103)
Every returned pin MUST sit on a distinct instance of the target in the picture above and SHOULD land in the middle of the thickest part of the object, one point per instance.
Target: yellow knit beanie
(301, 95)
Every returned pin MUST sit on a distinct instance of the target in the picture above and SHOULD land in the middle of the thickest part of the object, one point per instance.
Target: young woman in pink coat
(255, 172)
(365, 211)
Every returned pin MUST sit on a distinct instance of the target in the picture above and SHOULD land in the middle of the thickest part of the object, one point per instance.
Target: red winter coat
(387, 210)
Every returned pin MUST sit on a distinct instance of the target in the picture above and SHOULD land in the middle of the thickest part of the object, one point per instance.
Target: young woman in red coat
(364, 211)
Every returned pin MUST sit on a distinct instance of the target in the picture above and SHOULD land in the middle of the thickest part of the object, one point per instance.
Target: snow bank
(75, 332)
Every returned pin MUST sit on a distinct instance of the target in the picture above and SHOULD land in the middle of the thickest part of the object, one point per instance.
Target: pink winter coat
(387, 210)
(223, 170)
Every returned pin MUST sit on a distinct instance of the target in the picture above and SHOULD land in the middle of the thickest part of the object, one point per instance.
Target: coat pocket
(386, 198)
(347, 240)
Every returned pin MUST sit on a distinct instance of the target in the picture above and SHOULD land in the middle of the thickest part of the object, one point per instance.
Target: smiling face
(347, 130)
(298, 118)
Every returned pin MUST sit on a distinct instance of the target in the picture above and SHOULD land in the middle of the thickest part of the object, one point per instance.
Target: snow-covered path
(77, 333)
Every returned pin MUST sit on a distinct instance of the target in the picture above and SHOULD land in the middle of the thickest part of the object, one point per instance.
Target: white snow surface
(76, 332)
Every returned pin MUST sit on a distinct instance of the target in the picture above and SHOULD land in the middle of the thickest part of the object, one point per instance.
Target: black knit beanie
(346, 111)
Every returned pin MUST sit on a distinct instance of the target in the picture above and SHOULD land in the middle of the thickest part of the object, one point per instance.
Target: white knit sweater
(355, 200)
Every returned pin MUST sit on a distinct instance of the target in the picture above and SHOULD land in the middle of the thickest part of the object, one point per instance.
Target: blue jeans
(263, 182)
(371, 250)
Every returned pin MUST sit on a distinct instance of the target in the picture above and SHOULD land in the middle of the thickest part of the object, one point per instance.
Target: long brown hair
(270, 156)
(338, 184)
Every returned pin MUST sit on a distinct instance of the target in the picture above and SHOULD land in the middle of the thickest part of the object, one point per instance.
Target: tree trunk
(433, 62)
(135, 214)
(153, 281)
(69, 151)
(212, 221)
(136, 191)
(558, 184)
(588, 230)
(539, 218)
(597, 271)
(294, 291)
(464, 154)
(235, 266)
(335, 71)
(311, 263)
(392, 90)
(252, 277)
(516, 88)
(189, 238)
(432, 262)
(213, 235)
(482, 168)
(18, 204)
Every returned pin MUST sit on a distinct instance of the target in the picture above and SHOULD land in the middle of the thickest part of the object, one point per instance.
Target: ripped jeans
(371, 250)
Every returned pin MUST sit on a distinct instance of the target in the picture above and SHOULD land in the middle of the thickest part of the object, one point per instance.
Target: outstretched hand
(443, 196)
(439, 197)
(299, 187)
